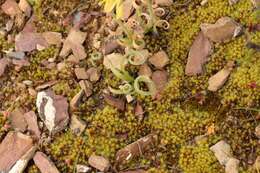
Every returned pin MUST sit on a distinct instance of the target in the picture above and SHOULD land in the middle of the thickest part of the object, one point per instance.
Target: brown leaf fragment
(145, 70)
(11, 8)
(53, 110)
(81, 73)
(198, 55)
(110, 46)
(135, 149)
(14, 146)
(17, 120)
(159, 59)
(223, 30)
(25, 7)
(74, 43)
(76, 100)
(31, 120)
(94, 74)
(99, 162)
(87, 87)
(220, 78)
(77, 125)
(115, 102)
(44, 163)
(3, 64)
(53, 38)
(27, 41)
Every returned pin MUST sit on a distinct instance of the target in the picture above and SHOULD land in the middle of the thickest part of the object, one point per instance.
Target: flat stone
(53, 38)
(14, 146)
(115, 60)
(83, 168)
(145, 70)
(31, 120)
(17, 120)
(232, 166)
(220, 78)
(53, 110)
(93, 74)
(74, 43)
(160, 79)
(25, 7)
(222, 151)
(46, 85)
(109, 47)
(81, 73)
(11, 8)
(77, 125)
(16, 54)
(115, 102)
(76, 100)
(44, 163)
(87, 87)
(3, 64)
(99, 162)
(127, 7)
(223, 30)
(198, 55)
(159, 59)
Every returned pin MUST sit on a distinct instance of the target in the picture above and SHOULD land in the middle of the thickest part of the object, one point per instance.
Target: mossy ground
(177, 118)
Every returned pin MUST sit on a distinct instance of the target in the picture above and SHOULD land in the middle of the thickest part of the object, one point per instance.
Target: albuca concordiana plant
(110, 5)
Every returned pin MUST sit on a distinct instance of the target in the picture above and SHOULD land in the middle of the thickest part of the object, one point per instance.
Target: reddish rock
(11, 8)
(99, 162)
(74, 43)
(81, 73)
(145, 70)
(163, 2)
(17, 120)
(109, 47)
(139, 111)
(53, 110)
(25, 7)
(115, 102)
(76, 100)
(94, 74)
(44, 163)
(159, 59)
(46, 85)
(198, 55)
(31, 120)
(160, 79)
(53, 38)
(87, 87)
(29, 41)
(223, 30)
(14, 146)
(3, 64)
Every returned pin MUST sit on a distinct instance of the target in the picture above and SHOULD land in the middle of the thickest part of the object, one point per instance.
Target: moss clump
(197, 159)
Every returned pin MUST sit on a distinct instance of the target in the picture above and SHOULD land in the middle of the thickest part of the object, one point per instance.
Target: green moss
(197, 159)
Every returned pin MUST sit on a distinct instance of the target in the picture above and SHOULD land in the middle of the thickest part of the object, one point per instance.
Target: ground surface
(231, 113)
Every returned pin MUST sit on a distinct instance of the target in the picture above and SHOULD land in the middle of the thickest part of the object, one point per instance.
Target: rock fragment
(16, 54)
(232, 166)
(135, 149)
(14, 146)
(3, 64)
(31, 120)
(127, 7)
(163, 2)
(222, 151)
(256, 3)
(145, 70)
(257, 131)
(44, 163)
(83, 169)
(25, 7)
(159, 59)
(76, 100)
(223, 30)
(232, 2)
(134, 171)
(219, 79)
(139, 111)
(77, 125)
(115, 102)
(53, 110)
(115, 60)
(74, 43)
(81, 73)
(198, 55)
(93, 74)
(18, 121)
(11, 8)
(87, 87)
(46, 85)
(52, 38)
(99, 162)
(257, 163)
(160, 79)
(109, 47)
